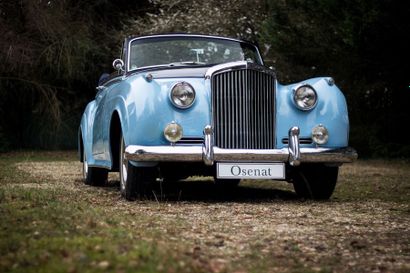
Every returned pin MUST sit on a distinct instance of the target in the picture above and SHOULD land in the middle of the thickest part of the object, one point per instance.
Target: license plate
(251, 170)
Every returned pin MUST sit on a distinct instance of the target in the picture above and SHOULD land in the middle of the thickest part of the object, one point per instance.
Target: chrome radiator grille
(243, 109)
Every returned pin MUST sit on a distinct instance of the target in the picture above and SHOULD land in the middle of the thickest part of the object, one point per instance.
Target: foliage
(53, 52)
(358, 42)
(228, 18)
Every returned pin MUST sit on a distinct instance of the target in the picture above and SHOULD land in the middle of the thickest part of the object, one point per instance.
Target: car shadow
(208, 191)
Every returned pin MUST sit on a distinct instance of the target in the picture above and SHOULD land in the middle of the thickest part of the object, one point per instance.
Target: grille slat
(243, 109)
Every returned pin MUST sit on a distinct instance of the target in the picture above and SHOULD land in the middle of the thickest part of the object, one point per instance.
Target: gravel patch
(275, 227)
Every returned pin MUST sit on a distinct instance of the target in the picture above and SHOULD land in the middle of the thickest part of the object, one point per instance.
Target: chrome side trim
(294, 150)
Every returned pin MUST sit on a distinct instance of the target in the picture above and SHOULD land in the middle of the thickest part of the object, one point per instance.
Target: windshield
(185, 50)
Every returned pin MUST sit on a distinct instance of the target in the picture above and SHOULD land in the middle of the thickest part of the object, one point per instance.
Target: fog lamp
(173, 132)
(320, 135)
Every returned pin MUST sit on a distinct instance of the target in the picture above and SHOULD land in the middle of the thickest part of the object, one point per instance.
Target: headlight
(182, 95)
(305, 97)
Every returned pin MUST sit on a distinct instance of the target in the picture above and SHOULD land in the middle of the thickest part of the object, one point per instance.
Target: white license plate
(251, 170)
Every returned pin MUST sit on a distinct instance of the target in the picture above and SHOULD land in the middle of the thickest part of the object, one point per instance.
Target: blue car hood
(178, 72)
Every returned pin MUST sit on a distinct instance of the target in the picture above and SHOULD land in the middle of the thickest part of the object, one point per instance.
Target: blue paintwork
(331, 111)
(144, 110)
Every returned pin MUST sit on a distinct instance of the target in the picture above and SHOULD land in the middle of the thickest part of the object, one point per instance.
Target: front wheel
(315, 181)
(135, 182)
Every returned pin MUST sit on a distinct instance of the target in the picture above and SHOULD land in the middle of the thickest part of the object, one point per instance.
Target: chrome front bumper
(208, 153)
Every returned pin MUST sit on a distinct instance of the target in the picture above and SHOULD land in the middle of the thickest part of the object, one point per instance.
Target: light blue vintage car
(181, 105)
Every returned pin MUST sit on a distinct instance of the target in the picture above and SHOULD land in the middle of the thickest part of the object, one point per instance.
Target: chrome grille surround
(243, 106)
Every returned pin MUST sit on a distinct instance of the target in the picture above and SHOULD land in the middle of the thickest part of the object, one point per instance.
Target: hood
(177, 72)
(200, 72)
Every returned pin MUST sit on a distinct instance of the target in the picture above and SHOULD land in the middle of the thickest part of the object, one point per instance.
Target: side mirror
(118, 65)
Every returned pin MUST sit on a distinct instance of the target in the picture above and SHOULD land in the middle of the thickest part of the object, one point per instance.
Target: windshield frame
(131, 40)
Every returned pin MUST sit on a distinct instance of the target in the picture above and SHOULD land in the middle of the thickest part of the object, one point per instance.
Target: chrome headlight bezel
(178, 91)
(303, 92)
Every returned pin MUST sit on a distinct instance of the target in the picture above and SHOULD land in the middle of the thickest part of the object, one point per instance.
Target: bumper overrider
(208, 153)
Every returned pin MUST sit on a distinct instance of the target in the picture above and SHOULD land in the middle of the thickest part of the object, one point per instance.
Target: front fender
(85, 133)
(145, 110)
(330, 111)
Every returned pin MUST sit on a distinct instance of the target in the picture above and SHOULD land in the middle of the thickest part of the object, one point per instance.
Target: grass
(52, 222)
(375, 179)
(41, 232)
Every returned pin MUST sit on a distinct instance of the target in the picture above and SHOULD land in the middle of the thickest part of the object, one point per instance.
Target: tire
(315, 181)
(93, 176)
(135, 182)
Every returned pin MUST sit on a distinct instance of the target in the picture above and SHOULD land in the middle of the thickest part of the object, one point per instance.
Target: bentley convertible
(183, 105)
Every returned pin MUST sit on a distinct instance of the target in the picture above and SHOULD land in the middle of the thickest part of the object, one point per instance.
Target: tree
(234, 18)
(51, 55)
(358, 42)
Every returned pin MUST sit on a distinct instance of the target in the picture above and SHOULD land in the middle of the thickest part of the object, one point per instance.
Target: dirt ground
(262, 223)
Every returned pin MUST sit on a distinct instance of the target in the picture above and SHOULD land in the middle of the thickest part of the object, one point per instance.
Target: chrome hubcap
(124, 173)
(123, 167)
(85, 166)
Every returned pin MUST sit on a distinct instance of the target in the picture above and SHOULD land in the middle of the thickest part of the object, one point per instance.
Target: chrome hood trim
(235, 66)
(177, 72)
